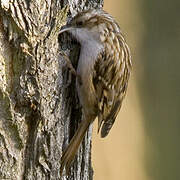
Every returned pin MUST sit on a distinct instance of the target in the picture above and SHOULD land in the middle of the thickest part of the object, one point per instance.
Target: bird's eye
(80, 23)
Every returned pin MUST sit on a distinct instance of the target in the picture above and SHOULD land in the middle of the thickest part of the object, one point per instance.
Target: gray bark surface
(39, 109)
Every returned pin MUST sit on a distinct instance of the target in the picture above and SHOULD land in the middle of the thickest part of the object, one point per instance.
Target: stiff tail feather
(71, 150)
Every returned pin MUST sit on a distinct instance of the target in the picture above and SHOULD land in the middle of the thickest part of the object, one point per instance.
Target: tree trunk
(39, 109)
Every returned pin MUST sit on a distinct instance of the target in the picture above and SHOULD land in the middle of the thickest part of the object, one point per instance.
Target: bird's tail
(71, 150)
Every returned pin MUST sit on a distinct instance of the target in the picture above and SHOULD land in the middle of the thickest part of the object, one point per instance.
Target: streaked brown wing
(110, 79)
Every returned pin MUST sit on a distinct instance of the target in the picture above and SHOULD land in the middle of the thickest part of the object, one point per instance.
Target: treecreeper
(102, 73)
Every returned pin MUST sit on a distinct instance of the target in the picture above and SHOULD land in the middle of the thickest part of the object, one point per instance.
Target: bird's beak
(66, 28)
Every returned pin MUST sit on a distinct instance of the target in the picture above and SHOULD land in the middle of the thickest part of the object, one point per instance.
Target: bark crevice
(39, 113)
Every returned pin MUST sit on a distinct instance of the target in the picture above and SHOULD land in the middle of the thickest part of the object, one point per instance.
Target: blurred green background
(144, 143)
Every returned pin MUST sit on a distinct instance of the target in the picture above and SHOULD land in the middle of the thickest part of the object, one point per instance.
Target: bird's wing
(110, 79)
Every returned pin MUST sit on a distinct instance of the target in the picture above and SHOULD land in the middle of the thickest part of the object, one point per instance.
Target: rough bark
(39, 109)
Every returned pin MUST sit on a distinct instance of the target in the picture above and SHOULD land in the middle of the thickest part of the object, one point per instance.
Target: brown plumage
(104, 68)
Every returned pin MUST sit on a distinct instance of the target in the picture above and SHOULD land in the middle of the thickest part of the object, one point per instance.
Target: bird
(103, 71)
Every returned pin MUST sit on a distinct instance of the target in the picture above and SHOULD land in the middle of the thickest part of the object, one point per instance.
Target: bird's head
(90, 24)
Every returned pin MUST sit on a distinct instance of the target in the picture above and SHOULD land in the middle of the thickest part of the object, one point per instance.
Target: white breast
(90, 48)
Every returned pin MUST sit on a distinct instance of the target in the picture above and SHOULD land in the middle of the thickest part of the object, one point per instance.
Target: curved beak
(66, 28)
